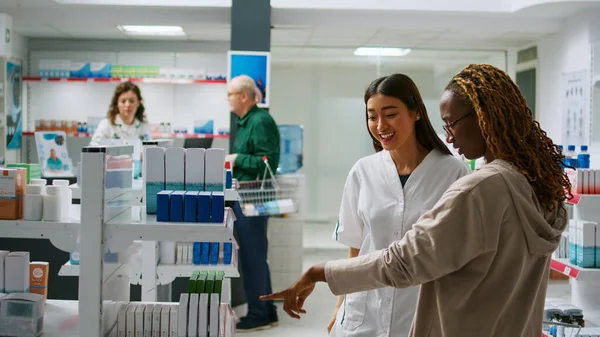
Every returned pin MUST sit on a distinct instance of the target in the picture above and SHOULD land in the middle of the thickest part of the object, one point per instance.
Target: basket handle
(268, 169)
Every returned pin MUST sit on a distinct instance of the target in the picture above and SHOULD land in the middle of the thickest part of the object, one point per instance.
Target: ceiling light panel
(166, 3)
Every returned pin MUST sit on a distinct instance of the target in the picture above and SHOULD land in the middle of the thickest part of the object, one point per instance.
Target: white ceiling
(305, 33)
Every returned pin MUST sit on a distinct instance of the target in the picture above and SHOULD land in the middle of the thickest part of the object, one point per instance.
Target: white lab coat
(120, 130)
(376, 211)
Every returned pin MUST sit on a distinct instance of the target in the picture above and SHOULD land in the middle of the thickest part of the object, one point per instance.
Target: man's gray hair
(244, 83)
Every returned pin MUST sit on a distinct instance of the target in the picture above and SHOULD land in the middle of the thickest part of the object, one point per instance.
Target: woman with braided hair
(482, 254)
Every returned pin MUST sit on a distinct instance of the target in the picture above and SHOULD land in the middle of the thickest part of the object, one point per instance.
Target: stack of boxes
(13, 183)
(584, 243)
(33, 170)
(187, 185)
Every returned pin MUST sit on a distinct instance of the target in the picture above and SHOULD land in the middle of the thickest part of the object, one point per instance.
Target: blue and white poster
(257, 65)
(52, 154)
(14, 98)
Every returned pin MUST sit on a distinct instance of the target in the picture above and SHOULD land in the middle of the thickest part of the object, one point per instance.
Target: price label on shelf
(567, 271)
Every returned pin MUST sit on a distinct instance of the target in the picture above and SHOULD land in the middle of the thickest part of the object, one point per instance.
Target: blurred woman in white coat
(385, 193)
(126, 118)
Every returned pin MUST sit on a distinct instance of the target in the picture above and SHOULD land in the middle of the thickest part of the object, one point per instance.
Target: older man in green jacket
(257, 137)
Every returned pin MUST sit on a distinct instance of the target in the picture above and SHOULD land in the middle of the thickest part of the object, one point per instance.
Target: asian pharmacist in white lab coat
(385, 193)
(482, 254)
(125, 118)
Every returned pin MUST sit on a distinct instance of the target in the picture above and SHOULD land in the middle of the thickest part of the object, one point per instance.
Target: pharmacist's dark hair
(403, 88)
(113, 110)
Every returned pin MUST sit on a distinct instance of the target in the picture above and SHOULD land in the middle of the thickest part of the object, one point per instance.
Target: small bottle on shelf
(66, 194)
(53, 207)
(583, 158)
(228, 175)
(571, 156)
(33, 203)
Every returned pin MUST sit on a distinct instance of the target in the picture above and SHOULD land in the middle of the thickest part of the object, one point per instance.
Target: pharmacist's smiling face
(128, 104)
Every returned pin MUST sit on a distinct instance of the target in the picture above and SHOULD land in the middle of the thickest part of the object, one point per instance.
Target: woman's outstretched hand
(295, 296)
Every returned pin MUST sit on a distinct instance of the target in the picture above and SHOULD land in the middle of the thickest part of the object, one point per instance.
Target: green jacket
(257, 136)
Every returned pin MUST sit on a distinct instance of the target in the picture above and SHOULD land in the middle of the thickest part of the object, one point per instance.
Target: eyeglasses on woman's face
(447, 127)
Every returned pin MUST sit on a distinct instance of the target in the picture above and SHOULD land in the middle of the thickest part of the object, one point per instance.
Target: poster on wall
(257, 65)
(13, 101)
(52, 154)
(575, 114)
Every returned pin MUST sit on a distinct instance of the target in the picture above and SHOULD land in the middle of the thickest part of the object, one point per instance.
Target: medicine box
(163, 205)
(173, 322)
(3, 254)
(122, 322)
(176, 206)
(165, 318)
(190, 206)
(204, 207)
(148, 320)
(130, 317)
(203, 315)
(175, 168)
(586, 244)
(193, 315)
(214, 176)
(194, 169)
(156, 329)
(12, 189)
(139, 320)
(214, 315)
(217, 213)
(38, 278)
(597, 257)
(22, 315)
(573, 241)
(154, 178)
(16, 272)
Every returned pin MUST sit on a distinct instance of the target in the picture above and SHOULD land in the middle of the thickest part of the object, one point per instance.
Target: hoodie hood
(542, 229)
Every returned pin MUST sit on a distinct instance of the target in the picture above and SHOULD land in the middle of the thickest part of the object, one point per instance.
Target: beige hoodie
(482, 256)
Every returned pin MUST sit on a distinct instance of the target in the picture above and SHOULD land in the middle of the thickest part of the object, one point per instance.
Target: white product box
(214, 176)
(154, 176)
(139, 320)
(586, 181)
(173, 322)
(214, 315)
(3, 254)
(194, 169)
(148, 320)
(156, 312)
(131, 320)
(586, 244)
(592, 181)
(193, 315)
(203, 315)
(182, 320)
(179, 253)
(122, 322)
(16, 272)
(190, 259)
(175, 169)
(579, 182)
(165, 318)
(573, 241)
(185, 247)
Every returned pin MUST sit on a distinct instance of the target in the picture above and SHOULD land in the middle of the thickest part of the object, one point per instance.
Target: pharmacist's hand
(294, 297)
(332, 321)
(231, 158)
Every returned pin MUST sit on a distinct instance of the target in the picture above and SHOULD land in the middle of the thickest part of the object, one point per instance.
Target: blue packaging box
(162, 206)
(228, 179)
(80, 70)
(189, 207)
(196, 253)
(176, 207)
(227, 252)
(217, 207)
(205, 251)
(214, 253)
(100, 70)
(204, 204)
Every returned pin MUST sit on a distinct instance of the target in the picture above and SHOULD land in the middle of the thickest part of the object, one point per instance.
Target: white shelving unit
(107, 224)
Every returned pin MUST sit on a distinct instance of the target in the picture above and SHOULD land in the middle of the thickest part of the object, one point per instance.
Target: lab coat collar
(119, 122)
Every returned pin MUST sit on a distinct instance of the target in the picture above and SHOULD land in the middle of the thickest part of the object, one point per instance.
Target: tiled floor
(320, 248)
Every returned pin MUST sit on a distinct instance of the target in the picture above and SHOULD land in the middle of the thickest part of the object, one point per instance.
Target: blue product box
(214, 253)
(197, 253)
(205, 251)
(80, 70)
(190, 205)
(207, 128)
(217, 207)
(204, 201)
(163, 205)
(227, 252)
(176, 207)
(228, 179)
(100, 70)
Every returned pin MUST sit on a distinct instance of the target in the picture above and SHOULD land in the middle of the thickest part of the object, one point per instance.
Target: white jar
(41, 182)
(67, 196)
(33, 203)
(53, 200)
